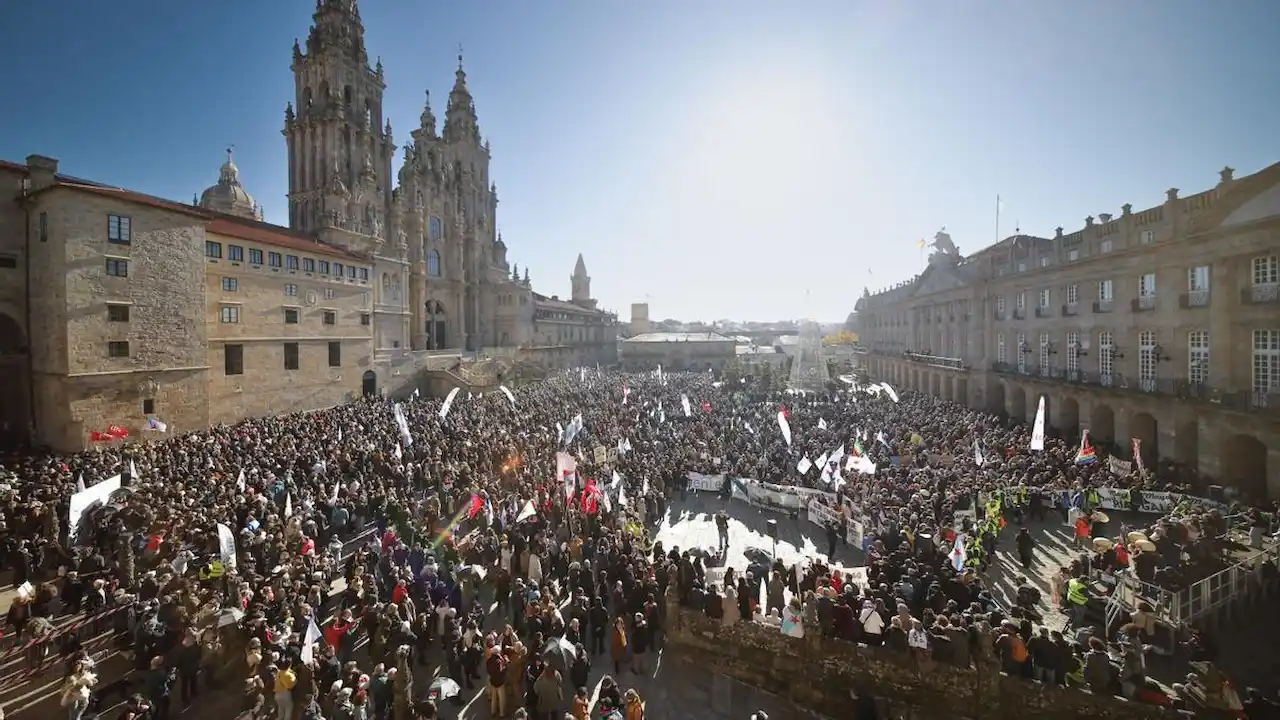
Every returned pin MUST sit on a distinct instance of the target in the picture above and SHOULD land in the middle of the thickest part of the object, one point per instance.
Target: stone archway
(1069, 417)
(15, 419)
(1018, 404)
(996, 398)
(369, 384)
(1244, 465)
(1102, 423)
(1144, 427)
(1186, 444)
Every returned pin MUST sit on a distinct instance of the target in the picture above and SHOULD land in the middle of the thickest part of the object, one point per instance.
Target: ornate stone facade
(117, 306)
(1159, 325)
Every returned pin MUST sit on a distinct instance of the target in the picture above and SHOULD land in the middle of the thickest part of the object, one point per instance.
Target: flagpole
(997, 217)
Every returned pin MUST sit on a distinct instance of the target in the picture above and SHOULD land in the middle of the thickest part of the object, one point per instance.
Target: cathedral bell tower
(340, 147)
(580, 285)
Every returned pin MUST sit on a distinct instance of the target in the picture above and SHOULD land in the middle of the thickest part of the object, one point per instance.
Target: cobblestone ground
(691, 524)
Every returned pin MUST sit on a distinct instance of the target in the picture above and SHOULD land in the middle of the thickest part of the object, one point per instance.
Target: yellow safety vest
(213, 571)
(1075, 593)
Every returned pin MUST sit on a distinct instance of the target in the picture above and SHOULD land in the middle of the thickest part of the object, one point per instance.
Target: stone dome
(229, 196)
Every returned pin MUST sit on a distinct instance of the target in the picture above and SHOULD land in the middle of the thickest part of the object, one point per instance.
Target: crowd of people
(386, 569)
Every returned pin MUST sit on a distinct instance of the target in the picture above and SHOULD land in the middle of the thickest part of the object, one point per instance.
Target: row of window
(1266, 273)
(1105, 247)
(292, 263)
(230, 315)
(233, 357)
(1266, 355)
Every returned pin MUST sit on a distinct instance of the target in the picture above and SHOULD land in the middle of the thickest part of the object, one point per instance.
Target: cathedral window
(435, 229)
(433, 263)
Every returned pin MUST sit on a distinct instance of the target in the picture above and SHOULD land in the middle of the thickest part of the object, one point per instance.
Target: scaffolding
(808, 367)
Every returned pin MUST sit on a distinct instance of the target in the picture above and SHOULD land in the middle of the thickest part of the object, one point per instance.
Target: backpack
(1017, 649)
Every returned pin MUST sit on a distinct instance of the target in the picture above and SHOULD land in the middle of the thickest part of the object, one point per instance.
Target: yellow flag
(920, 244)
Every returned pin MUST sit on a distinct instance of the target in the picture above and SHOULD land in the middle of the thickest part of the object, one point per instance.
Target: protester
(320, 561)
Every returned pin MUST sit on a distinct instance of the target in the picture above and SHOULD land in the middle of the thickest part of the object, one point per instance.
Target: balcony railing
(1143, 304)
(1178, 388)
(1019, 313)
(1259, 294)
(1102, 306)
(1070, 308)
(950, 363)
(1193, 299)
(1043, 312)
(998, 314)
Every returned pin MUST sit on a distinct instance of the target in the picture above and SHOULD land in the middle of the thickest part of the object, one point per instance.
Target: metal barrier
(1201, 599)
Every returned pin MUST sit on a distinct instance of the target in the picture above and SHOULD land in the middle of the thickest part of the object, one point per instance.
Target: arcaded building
(1161, 324)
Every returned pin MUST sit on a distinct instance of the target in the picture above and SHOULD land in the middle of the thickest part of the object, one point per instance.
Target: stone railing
(819, 674)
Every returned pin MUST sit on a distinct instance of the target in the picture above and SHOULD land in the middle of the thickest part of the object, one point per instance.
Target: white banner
(227, 547)
(83, 500)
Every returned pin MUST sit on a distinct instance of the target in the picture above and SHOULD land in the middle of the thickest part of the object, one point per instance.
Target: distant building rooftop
(658, 337)
(757, 350)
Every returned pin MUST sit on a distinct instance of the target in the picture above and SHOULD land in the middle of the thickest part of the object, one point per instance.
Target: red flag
(95, 436)
(477, 504)
(785, 413)
(706, 406)
(116, 431)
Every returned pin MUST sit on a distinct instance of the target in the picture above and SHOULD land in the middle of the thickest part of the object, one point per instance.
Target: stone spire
(580, 284)
(427, 121)
(337, 28)
(460, 124)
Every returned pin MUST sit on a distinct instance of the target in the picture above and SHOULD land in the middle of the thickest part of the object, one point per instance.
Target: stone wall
(818, 674)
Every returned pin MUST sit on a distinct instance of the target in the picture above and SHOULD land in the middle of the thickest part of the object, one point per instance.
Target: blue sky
(721, 159)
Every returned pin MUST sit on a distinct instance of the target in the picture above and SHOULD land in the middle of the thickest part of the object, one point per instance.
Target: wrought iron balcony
(1019, 313)
(951, 363)
(1070, 308)
(1102, 306)
(1043, 312)
(1260, 294)
(1143, 304)
(1193, 299)
(1177, 388)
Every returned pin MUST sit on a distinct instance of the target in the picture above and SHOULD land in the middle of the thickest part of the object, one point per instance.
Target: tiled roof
(219, 223)
(657, 337)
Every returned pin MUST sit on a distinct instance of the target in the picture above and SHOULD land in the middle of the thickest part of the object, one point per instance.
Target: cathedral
(124, 310)
(443, 277)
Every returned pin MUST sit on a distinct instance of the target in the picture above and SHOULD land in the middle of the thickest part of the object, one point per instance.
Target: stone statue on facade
(945, 251)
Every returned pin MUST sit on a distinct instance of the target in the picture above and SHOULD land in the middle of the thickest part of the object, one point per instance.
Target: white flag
(684, 402)
(977, 454)
(309, 640)
(803, 466)
(526, 512)
(510, 396)
(240, 481)
(822, 424)
(1037, 431)
(402, 424)
(288, 505)
(785, 427)
(133, 471)
(893, 395)
(448, 403)
(80, 483)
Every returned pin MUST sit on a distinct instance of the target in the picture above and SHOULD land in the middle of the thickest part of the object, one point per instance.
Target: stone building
(678, 351)
(116, 307)
(1161, 324)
